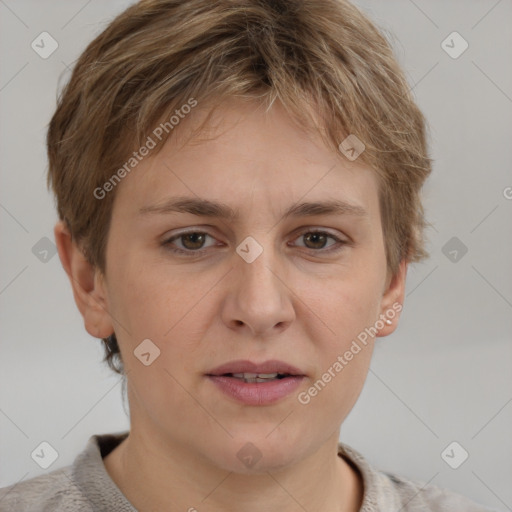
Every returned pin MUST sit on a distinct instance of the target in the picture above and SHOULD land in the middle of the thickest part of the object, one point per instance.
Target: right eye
(192, 243)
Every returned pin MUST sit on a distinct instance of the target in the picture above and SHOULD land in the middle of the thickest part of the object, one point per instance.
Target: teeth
(255, 377)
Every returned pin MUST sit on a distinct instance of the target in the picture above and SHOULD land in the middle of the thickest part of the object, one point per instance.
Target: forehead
(247, 157)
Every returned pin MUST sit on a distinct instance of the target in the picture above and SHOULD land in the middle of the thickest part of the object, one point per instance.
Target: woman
(238, 186)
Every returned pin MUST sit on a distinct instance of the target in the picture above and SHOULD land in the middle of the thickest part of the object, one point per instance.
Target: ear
(87, 282)
(393, 299)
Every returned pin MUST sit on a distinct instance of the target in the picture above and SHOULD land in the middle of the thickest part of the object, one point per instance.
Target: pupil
(198, 238)
(316, 237)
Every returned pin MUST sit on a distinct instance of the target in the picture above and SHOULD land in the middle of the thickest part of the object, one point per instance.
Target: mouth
(262, 372)
(258, 377)
(256, 384)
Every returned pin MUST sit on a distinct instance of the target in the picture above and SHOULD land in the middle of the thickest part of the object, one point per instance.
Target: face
(299, 290)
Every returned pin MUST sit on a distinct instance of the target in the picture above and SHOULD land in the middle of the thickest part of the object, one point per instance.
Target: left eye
(317, 240)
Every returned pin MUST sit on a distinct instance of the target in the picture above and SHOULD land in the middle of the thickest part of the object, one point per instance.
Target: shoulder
(385, 492)
(415, 496)
(54, 491)
(84, 486)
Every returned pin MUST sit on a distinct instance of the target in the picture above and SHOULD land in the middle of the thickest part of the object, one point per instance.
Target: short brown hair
(323, 60)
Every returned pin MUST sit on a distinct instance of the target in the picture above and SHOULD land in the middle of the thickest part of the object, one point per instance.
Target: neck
(176, 480)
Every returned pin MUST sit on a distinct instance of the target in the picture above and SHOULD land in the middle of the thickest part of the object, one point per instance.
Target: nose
(258, 299)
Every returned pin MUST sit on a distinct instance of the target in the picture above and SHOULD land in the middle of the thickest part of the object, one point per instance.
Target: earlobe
(392, 300)
(86, 282)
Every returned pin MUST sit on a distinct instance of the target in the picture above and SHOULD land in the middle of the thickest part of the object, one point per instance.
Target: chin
(257, 454)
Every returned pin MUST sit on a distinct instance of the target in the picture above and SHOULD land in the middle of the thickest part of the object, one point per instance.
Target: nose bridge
(258, 299)
(258, 283)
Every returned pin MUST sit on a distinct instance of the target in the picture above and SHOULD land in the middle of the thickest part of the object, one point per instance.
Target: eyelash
(200, 252)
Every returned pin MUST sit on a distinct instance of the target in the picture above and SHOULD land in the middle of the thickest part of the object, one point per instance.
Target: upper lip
(244, 366)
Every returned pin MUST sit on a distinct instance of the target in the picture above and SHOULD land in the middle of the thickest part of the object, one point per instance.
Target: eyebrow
(206, 208)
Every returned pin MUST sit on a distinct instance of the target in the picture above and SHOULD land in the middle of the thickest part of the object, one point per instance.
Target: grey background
(443, 376)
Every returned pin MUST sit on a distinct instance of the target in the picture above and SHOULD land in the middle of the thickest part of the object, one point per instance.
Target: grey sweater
(85, 486)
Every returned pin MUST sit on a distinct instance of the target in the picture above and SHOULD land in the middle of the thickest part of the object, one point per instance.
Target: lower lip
(256, 393)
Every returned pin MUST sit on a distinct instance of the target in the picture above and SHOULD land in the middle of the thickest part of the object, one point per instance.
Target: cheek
(155, 302)
(333, 395)
(343, 362)
(344, 306)
(348, 311)
(159, 394)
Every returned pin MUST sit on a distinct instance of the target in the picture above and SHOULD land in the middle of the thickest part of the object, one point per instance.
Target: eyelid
(339, 241)
(177, 236)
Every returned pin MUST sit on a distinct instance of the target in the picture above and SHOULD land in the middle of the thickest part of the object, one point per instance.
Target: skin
(296, 302)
